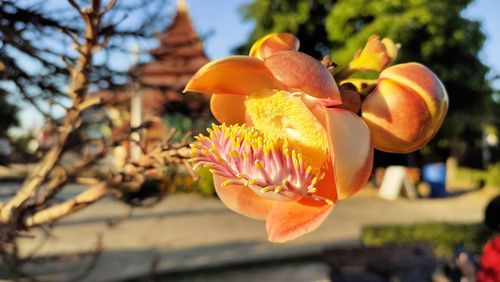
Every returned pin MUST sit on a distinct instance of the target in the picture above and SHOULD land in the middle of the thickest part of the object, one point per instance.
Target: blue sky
(221, 20)
(488, 12)
(222, 17)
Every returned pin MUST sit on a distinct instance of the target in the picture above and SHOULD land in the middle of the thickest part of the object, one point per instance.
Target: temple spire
(177, 58)
(181, 5)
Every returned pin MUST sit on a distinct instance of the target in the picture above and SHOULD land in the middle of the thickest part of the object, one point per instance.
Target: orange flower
(291, 144)
(287, 151)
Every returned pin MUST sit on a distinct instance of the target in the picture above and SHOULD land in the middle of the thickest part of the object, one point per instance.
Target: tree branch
(57, 211)
(76, 90)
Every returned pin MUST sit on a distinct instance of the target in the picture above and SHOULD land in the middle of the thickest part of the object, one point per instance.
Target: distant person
(489, 267)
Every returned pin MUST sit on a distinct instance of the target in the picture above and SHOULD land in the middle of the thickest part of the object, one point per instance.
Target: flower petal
(242, 199)
(351, 150)
(297, 70)
(288, 220)
(273, 43)
(229, 109)
(238, 75)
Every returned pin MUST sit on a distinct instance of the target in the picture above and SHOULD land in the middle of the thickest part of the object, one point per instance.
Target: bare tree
(34, 203)
(42, 32)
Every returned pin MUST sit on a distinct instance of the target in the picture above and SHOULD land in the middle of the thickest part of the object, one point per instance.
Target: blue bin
(435, 175)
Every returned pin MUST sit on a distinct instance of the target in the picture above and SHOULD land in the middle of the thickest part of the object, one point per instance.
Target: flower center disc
(281, 114)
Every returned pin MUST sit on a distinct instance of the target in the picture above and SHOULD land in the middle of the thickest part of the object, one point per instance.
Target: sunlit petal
(288, 220)
(273, 43)
(299, 71)
(238, 75)
(229, 109)
(351, 150)
(242, 199)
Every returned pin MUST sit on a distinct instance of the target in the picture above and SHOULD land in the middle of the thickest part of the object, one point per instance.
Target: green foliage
(470, 175)
(205, 184)
(431, 32)
(184, 124)
(7, 114)
(444, 237)
(491, 176)
(306, 19)
(22, 141)
(184, 182)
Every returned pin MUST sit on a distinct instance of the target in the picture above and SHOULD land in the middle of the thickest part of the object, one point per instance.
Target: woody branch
(77, 92)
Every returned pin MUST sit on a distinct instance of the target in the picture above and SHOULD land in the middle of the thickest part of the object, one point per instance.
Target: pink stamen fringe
(245, 156)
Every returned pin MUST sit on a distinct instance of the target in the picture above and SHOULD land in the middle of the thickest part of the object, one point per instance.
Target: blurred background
(172, 227)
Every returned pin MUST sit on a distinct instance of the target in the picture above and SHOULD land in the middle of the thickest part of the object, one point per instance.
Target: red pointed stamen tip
(330, 103)
(245, 156)
(318, 102)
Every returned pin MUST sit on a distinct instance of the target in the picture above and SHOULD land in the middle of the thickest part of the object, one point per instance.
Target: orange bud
(406, 109)
(377, 54)
(351, 99)
(361, 84)
(272, 43)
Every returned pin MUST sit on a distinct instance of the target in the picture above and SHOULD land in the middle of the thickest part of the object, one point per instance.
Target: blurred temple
(178, 57)
(156, 87)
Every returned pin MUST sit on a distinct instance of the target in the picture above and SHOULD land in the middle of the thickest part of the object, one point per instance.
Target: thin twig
(108, 7)
(75, 5)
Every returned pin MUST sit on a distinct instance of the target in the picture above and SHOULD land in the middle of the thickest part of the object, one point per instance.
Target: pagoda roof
(179, 55)
(157, 68)
(177, 58)
(180, 38)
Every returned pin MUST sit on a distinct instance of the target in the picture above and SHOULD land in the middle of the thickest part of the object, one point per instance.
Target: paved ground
(189, 232)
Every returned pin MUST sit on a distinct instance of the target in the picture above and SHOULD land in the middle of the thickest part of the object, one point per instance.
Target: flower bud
(406, 109)
(377, 54)
(351, 100)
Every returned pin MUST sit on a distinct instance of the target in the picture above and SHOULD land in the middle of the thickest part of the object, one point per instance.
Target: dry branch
(76, 90)
(57, 211)
(33, 204)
